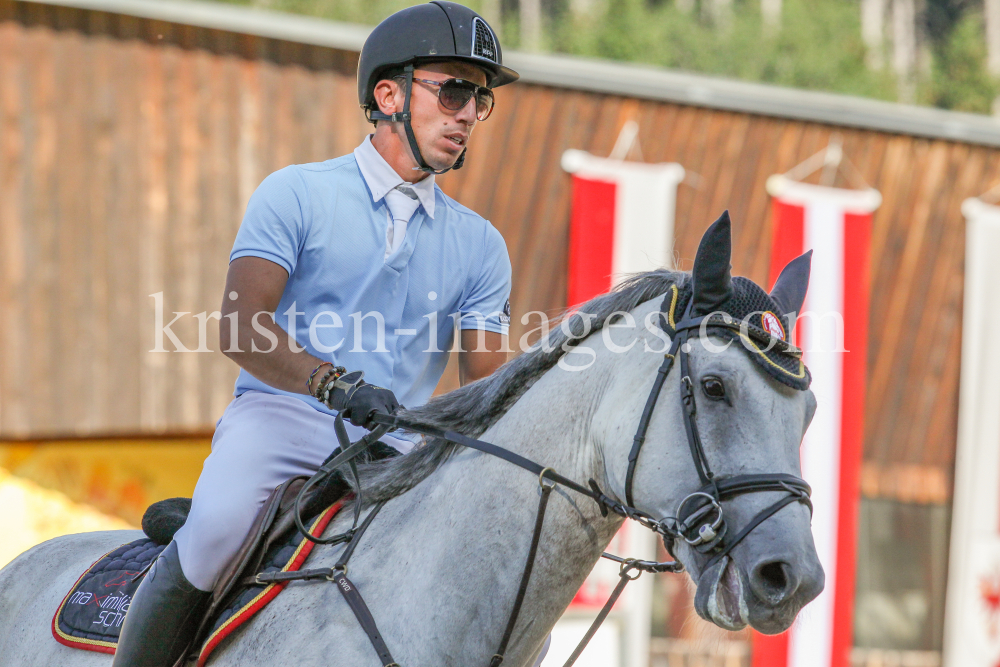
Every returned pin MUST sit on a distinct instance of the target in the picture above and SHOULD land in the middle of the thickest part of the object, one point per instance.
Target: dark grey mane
(472, 409)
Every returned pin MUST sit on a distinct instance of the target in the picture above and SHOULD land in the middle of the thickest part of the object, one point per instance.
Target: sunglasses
(454, 94)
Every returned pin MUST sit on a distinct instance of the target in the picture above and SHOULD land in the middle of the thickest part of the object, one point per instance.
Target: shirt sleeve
(273, 226)
(487, 303)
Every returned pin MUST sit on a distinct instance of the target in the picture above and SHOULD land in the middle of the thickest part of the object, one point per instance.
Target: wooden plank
(14, 268)
(128, 299)
(748, 186)
(102, 91)
(928, 319)
(223, 212)
(153, 224)
(186, 239)
(690, 224)
(51, 199)
(895, 335)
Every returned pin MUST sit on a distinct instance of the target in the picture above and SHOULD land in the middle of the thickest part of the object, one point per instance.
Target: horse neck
(458, 541)
(551, 425)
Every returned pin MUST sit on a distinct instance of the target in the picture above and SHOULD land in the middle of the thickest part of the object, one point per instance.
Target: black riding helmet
(433, 32)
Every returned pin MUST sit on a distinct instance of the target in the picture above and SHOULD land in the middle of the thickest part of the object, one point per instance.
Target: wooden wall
(128, 149)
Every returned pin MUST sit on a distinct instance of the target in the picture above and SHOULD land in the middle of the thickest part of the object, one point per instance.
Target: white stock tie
(402, 202)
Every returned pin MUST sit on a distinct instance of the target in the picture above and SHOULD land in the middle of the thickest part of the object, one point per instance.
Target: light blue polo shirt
(346, 302)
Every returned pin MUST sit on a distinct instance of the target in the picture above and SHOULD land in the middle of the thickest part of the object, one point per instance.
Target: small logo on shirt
(505, 315)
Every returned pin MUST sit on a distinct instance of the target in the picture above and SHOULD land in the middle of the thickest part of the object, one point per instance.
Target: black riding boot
(162, 617)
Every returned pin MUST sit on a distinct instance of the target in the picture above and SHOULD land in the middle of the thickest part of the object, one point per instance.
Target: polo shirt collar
(381, 178)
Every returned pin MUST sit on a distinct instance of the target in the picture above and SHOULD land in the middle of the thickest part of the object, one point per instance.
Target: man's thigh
(261, 441)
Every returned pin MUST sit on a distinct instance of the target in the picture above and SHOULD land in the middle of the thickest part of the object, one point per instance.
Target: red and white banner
(622, 222)
(836, 225)
(972, 609)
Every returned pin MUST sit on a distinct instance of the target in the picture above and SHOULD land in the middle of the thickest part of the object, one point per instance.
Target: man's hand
(368, 400)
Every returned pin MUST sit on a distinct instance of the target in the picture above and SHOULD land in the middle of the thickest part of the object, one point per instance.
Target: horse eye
(714, 388)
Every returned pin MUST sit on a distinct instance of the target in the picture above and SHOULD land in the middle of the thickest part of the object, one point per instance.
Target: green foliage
(960, 79)
(366, 12)
(818, 45)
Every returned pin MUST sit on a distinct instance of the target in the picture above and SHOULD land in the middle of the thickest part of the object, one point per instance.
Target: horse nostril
(773, 581)
(773, 575)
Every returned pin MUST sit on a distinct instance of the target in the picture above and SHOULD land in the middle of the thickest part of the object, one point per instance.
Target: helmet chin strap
(404, 118)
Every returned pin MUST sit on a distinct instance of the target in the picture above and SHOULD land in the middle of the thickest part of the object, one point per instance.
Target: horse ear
(789, 290)
(711, 271)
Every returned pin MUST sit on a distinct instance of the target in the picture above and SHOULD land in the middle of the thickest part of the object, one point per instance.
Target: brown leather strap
(615, 594)
(364, 616)
(353, 596)
(526, 575)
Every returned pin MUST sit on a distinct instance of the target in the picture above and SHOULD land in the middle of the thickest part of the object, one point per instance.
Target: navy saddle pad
(90, 616)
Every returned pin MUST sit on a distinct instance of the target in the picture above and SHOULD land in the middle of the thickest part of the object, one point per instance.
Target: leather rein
(700, 517)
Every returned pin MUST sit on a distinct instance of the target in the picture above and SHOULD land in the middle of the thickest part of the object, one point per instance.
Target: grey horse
(440, 566)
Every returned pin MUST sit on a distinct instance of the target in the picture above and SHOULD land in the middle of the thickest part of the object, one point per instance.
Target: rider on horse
(372, 265)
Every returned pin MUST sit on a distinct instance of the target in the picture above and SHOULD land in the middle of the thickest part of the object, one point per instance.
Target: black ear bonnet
(752, 320)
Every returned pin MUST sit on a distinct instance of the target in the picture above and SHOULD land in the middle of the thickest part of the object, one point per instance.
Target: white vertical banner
(832, 330)
(972, 610)
(621, 222)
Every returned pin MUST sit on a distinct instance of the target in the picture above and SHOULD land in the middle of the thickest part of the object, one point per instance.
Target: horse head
(745, 391)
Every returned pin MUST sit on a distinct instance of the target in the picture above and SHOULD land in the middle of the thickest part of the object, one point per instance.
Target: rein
(700, 518)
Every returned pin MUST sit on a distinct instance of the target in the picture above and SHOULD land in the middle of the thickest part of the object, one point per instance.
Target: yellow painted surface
(116, 477)
(32, 514)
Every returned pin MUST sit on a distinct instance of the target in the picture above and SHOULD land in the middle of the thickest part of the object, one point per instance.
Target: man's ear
(385, 96)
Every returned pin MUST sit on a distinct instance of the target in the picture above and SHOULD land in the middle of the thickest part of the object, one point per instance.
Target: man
(355, 264)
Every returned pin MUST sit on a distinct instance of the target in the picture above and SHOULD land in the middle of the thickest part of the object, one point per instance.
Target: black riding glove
(356, 400)
(367, 400)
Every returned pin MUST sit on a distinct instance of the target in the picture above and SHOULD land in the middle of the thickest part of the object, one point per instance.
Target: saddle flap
(252, 550)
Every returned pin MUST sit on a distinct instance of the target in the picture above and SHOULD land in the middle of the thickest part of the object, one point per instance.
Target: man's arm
(482, 353)
(259, 284)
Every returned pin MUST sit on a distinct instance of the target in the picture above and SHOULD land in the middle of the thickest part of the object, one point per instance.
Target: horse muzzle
(779, 590)
(721, 597)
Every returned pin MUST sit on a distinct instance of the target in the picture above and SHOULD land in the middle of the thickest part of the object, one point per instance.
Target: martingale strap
(353, 597)
(627, 565)
(547, 480)
(543, 502)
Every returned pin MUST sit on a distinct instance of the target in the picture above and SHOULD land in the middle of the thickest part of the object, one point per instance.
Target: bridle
(700, 517)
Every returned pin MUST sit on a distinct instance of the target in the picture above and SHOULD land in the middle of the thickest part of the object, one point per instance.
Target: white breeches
(261, 441)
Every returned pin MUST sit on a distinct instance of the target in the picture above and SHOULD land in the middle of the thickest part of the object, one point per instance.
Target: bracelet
(309, 382)
(325, 384)
(323, 380)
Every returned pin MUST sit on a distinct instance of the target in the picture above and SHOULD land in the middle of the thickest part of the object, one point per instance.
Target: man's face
(442, 134)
